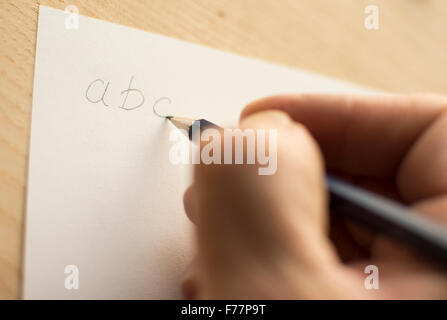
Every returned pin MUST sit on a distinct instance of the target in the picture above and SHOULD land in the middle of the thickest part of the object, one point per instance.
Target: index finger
(366, 135)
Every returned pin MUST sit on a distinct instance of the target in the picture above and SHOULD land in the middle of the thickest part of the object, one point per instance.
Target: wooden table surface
(406, 54)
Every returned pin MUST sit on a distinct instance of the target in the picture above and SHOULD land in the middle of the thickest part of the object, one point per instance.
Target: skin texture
(272, 237)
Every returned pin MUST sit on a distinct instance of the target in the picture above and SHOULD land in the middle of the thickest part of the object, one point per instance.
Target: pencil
(383, 215)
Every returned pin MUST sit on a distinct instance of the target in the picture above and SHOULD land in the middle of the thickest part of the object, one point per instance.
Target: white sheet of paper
(102, 193)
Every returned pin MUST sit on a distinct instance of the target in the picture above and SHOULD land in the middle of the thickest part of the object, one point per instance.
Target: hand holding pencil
(282, 242)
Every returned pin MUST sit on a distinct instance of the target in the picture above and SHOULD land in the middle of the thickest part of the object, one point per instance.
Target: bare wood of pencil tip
(181, 122)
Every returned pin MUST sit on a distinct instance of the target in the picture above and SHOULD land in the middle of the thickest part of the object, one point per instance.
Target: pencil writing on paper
(97, 92)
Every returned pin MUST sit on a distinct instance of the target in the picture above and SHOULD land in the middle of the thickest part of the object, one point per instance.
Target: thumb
(264, 236)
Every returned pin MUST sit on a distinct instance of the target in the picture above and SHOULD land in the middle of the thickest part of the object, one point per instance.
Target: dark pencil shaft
(389, 218)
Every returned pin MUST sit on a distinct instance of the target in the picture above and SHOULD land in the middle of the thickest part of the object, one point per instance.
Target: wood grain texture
(406, 54)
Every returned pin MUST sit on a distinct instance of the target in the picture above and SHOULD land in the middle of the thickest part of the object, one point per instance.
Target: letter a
(72, 280)
(372, 21)
(372, 280)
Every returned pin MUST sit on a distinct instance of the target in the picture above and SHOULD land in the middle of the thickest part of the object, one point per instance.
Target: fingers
(234, 198)
(253, 226)
(367, 135)
(434, 209)
(191, 282)
(423, 172)
(190, 203)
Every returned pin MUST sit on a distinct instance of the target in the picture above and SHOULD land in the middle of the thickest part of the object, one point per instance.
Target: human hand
(267, 237)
